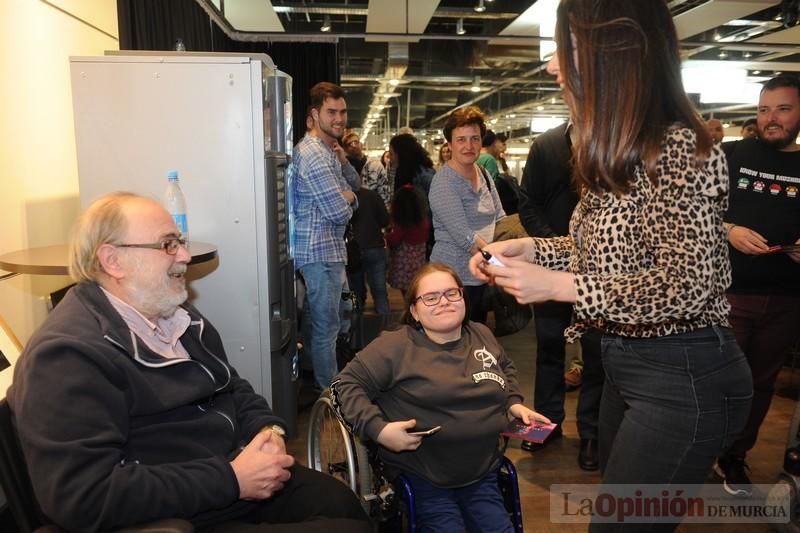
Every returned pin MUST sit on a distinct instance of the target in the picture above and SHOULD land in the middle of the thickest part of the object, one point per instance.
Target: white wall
(38, 168)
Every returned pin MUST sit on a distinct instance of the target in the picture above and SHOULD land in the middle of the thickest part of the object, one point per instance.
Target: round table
(53, 260)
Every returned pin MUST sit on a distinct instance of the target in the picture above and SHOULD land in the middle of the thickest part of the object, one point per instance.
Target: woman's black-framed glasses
(433, 298)
(169, 245)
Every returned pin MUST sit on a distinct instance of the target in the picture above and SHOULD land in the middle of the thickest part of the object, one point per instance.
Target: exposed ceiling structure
(411, 62)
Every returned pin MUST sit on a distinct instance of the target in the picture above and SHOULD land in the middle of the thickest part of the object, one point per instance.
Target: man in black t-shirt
(763, 215)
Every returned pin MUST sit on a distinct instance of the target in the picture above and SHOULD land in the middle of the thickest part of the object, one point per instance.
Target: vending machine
(224, 123)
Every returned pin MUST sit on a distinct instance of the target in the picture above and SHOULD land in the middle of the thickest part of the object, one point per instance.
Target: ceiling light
(480, 8)
(326, 24)
(539, 108)
(756, 72)
(717, 36)
(394, 82)
(476, 84)
(460, 27)
(747, 55)
(723, 54)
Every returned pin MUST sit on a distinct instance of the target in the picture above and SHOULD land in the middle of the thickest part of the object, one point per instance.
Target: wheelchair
(333, 450)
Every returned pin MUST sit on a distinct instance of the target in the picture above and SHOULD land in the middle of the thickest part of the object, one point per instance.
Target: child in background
(408, 237)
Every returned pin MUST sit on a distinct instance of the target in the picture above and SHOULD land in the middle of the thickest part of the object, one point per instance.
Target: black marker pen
(490, 258)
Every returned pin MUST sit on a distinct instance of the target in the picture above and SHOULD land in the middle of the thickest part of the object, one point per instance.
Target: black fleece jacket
(114, 434)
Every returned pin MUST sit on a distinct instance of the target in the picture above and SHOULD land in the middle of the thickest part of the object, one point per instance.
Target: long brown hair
(622, 77)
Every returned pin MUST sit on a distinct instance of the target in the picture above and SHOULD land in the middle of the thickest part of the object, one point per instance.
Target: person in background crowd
(323, 203)
(749, 129)
(507, 188)
(386, 159)
(128, 410)
(368, 223)
(437, 370)
(372, 172)
(445, 153)
(492, 147)
(716, 130)
(547, 200)
(411, 162)
(764, 212)
(465, 204)
(408, 236)
(646, 260)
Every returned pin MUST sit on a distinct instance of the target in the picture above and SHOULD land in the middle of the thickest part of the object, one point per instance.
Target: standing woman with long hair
(646, 261)
(411, 162)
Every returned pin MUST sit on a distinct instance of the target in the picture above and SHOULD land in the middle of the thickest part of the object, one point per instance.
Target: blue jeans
(373, 266)
(670, 406)
(477, 507)
(325, 283)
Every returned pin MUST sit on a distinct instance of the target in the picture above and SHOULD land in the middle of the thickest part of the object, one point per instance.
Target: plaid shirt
(318, 211)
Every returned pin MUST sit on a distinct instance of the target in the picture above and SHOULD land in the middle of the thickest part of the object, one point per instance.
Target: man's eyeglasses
(170, 245)
(433, 298)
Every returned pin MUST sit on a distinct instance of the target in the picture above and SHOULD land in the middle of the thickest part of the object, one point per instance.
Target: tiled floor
(557, 463)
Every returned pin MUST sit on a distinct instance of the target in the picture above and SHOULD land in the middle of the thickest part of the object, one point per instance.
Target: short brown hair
(322, 91)
(466, 116)
(411, 293)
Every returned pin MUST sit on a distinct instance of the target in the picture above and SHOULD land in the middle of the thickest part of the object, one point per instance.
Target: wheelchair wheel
(334, 451)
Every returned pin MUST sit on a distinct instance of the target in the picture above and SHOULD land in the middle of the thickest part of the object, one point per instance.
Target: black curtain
(157, 24)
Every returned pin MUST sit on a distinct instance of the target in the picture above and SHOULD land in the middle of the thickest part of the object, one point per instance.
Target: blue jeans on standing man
(325, 283)
(670, 405)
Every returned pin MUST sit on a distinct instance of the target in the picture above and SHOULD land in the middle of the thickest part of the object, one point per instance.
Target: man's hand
(747, 241)
(275, 444)
(395, 437)
(341, 155)
(260, 473)
(350, 196)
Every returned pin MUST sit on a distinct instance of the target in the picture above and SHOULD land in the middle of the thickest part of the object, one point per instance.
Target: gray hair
(103, 222)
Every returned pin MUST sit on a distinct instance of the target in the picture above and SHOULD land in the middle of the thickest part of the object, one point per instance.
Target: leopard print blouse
(652, 262)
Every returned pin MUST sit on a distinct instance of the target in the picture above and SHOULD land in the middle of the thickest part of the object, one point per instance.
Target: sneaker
(733, 470)
(574, 376)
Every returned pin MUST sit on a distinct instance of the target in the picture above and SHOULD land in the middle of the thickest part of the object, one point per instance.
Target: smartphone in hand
(425, 432)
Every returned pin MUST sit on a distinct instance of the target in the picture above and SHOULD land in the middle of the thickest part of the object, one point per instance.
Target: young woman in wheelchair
(437, 370)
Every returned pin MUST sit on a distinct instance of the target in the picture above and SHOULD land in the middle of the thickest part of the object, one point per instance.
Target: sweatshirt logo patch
(477, 377)
(485, 357)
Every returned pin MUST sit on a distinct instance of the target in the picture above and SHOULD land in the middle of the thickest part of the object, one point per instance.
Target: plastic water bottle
(176, 204)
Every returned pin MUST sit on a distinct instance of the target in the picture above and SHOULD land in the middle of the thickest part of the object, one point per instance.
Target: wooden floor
(558, 462)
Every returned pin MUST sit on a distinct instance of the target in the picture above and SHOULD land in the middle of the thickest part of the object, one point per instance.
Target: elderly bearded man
(127, 408)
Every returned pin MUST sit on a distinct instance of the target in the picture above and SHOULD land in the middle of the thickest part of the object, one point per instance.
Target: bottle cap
(172, 175)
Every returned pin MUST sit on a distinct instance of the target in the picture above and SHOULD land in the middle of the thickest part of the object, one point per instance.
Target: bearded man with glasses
(128, 410)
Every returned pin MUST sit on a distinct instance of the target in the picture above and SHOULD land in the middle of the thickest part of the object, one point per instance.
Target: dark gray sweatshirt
(465, 386)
